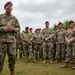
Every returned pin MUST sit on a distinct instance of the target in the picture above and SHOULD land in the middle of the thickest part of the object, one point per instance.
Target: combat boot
(62, 60)
(73, 67)
(34, 61)
(44, 61)
(26, 60)
(65, 65)
(12, 73)
(51, 61)
(57, 61)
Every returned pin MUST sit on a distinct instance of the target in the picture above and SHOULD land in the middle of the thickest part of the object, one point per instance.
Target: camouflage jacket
(26, 36)
(10, 21)
(19, 38)
(37, 38)
(48, 33)
(60, 35)
(70, 35)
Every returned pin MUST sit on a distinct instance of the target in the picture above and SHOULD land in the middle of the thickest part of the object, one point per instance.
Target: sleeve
(51, 35)
(43, 37)
(1, 26)
(17, 26)
(66, 35)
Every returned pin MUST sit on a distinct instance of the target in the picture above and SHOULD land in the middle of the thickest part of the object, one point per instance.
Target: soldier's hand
(29, 42)
(68, 41)
(5, 29)
(46, 39)
(10, 29)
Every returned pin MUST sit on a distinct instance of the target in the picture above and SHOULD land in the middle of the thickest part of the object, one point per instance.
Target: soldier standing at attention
(31, 31)
(60, 43)
(27, 44)
(70, 39)
(9, 26)
(37, 40)
(47, 43)
(41, 50)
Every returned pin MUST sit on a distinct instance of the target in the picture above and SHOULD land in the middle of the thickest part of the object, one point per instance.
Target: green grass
(30, 68)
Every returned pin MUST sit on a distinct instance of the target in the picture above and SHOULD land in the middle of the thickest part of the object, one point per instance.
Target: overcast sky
(34, 13)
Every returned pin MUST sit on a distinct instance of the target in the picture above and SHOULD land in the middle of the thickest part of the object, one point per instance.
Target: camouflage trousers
(20, 50)
(48, 50)
(37, 50)
(41, 52)
(60, 51)
(27, 50)
(10, 49)
(33, 48)
(17, 47)
(70, 55)
(54, 54)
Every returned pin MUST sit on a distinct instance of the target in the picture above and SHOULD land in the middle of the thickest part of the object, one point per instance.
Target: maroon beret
(8, 3)
(59, 23)
(26, 28)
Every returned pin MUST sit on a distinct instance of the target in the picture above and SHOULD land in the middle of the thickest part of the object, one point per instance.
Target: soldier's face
(37, 31)
(47, 24)
(27, 30)
(60, 26)
(8, 8)
(72, 25)
(31, 30)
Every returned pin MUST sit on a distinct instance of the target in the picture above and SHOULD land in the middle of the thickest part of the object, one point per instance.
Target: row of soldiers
(53, 44)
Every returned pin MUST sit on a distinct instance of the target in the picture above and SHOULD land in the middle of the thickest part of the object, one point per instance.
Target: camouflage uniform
(70, 34)
(47, 45)
(60, 44)
(41, 50)
(27, 47)
(8, 40)
(37, 40)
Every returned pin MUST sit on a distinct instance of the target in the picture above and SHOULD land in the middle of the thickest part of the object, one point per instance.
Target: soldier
(37, 40)
(70, 39)
(31, 31)
(27, 44)
(47, 43)
(41, 50)
(60, 43)
(9, 26)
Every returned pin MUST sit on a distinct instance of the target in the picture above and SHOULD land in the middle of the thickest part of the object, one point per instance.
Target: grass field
(30, 68)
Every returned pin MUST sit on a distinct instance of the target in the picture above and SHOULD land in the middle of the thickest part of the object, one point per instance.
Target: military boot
(44, 61)
(57, 61)
(65, 65)
(73, 67)
(34, 61)
(12, 73)
(51, 61)
(26, 60)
